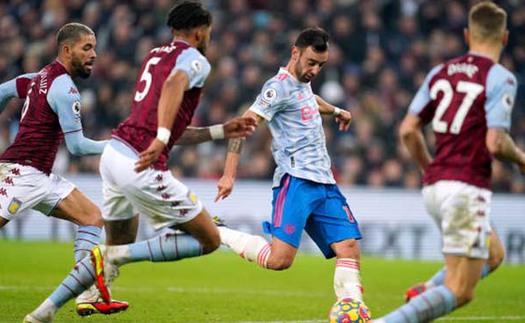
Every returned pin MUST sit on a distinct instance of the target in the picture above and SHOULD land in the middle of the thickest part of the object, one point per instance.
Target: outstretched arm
(226, 182)
(412, 136)
(238, 127)
(15, 88)
(77, 144)
(343, 117)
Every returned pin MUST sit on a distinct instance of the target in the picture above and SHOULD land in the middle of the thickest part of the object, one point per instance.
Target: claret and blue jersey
(461, 99)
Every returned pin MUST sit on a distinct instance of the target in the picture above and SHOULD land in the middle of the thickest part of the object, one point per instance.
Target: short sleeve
(64, 99)
(270, 100)
(501, 94)
(422, 97)
(195, 65)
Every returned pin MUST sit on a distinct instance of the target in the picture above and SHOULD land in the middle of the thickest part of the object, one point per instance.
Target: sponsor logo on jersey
(14, 205)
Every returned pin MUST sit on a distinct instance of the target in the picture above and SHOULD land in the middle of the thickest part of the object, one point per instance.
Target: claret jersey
(461, 99)
(140, 128)
(51, 108)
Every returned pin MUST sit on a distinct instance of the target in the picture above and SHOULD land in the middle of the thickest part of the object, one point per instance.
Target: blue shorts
(319, 209)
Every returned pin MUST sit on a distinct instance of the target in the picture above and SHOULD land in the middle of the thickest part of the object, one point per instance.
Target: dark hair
(315, 37)
(70, 33)
(186, 15)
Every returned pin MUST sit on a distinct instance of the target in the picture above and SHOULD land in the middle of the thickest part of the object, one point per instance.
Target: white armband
(217, 132)
(163, 134)
(337, 111)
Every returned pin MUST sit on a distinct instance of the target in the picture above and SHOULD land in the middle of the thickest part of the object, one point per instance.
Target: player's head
(487, 24)
(189, 18)
(309, 54)
(76, 48)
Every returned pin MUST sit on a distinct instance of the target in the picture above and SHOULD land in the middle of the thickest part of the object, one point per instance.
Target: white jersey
(292, 115)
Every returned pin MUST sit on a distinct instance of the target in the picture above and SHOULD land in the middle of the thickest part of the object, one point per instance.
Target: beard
(79, 69)
(300, 75)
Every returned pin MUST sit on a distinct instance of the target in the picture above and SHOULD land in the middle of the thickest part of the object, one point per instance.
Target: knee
(346, 249)
(464, 297)
(497, 255)
(211, 244)
(279, 263)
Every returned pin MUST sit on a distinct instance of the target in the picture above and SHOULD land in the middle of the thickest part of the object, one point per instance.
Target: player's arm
(412, 137)
(343, 117)
(501, 94)
(169, 103)
(501, 145)
(226, 182)
(238, 127)
(410, 130)
(66, 104)
(15, 88)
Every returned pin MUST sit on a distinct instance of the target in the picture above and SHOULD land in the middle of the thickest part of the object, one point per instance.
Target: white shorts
(463, 213)
(24, 187)
(160, 197)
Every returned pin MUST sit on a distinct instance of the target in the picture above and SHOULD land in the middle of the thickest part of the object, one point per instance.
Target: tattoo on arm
(193, 136)
(235, 145)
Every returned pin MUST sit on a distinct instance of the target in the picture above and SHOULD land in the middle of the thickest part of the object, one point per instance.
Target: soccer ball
(349, 310)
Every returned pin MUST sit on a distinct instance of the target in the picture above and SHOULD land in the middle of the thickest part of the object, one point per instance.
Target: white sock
(248, 246)
(347, 279)
(118, 254)
(45, 311)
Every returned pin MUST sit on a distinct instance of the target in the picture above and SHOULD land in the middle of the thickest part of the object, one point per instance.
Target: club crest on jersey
(14, 205)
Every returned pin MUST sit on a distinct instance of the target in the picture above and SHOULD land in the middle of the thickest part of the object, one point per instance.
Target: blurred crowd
(380, 51)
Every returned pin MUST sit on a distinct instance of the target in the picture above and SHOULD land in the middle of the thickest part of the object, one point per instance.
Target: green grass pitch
(223, 288)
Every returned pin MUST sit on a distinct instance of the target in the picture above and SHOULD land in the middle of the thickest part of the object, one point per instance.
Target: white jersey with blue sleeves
(292, 114)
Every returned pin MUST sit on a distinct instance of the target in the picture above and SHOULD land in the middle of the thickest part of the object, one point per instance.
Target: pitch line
(271, 293)
(444, 319)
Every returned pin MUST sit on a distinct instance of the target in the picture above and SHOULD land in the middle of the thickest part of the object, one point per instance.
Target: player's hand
(344, 119)
(225, 187)
(239, 127)
(149, 156)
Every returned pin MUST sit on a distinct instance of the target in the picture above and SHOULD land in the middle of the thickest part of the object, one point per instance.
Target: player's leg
(79, 278)
(119, 232)
(66, 202)
(335, 231)
(496, 257)
(3, 222)
(293, 201)
(463, 212)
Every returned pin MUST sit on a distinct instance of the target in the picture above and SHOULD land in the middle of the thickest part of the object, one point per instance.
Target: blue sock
(87, 237)
(426, 307)
(439, 278)
(165, 247)
(79, 279)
